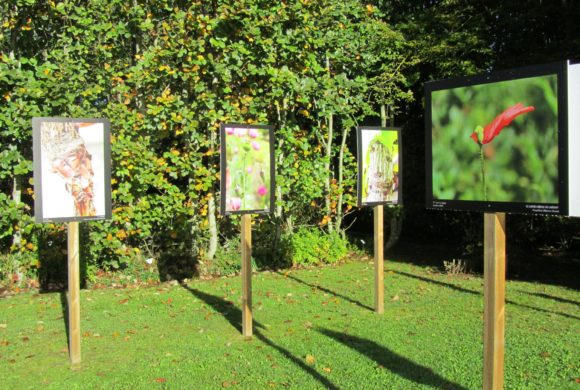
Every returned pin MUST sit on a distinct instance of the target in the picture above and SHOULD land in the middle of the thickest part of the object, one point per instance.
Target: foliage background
(167, 73)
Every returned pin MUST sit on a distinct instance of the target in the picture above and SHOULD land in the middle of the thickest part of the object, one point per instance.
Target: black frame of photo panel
(360, 157)
(561, 207)
(223, 167)
(39, 212)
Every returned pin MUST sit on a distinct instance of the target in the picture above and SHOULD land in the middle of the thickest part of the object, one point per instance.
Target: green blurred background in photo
(521, 163)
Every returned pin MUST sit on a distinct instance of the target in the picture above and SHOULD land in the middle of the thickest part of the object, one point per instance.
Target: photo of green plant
(379, 171)
(496, 142)
(246, 173)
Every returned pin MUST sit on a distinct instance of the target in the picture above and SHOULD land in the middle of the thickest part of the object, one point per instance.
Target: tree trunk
(211, 210)
(16, 186)
(278, 212)
(340, 183)
(212, 225)
(327, 198)
(17, 198)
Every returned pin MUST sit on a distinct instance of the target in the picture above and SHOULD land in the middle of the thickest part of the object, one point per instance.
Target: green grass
(314, 328)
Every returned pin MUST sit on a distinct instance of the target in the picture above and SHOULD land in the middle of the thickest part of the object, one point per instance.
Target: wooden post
(74, 307)
(494, 297)
(379, 263)
(247, 275)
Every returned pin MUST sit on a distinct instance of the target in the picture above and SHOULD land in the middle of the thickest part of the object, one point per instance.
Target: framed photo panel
(247, 169)
(379, 165)
(498, 142)
(72, 169)
(574, 139)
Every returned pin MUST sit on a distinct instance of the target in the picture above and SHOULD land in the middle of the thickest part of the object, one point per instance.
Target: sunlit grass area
(314, 328)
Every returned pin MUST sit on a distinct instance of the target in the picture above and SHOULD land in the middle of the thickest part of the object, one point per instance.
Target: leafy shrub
(309, 246)
(17, 268)
(227, 260)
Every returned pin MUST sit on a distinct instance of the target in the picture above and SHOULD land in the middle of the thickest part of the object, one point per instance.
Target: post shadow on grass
(64, 308)
(234, 316)
(326, 290)
(392, 361)
(465, 290)
(552, 297)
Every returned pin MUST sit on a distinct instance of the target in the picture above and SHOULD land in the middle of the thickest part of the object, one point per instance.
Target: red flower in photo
(491, 130)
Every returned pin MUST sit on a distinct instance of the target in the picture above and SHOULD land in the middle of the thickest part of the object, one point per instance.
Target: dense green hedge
(166, 74)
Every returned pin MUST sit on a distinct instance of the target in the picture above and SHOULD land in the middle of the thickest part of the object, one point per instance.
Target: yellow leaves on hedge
(121, 234)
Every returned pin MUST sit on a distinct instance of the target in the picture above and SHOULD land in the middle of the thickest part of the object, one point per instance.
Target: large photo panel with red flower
(71, 169)
(496, 141)
(247, 169)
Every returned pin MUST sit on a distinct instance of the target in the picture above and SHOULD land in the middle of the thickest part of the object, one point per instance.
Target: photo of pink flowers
(247, 169)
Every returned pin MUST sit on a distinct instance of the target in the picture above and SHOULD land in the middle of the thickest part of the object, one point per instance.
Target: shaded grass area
(313, 329)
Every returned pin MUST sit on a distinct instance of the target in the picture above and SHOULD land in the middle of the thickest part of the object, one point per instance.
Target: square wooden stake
(379, 262)
(494, 301)
(247, 275)
(74, 306)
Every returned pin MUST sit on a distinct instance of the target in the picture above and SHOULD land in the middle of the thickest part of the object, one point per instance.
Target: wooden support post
(494, 297)
(379, 263)
(74, 307)
(247, 275)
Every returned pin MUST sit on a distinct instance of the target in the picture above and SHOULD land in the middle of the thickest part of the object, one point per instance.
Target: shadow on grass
(324, 289)
(392, 361)
(465, 290)
(552, 297)
(557, 268)
(234, 317)
(64, 308)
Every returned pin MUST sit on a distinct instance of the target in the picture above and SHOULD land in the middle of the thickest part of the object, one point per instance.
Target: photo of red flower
(496, 141)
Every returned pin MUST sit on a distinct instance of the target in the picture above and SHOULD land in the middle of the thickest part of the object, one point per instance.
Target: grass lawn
(314, 328)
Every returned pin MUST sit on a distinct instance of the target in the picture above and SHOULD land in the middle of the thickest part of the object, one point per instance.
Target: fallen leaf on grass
(327, 369)
(4, 342)
(160, 380)
(123, 301)
(395, 298)
(25, 339)
(310, 360)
